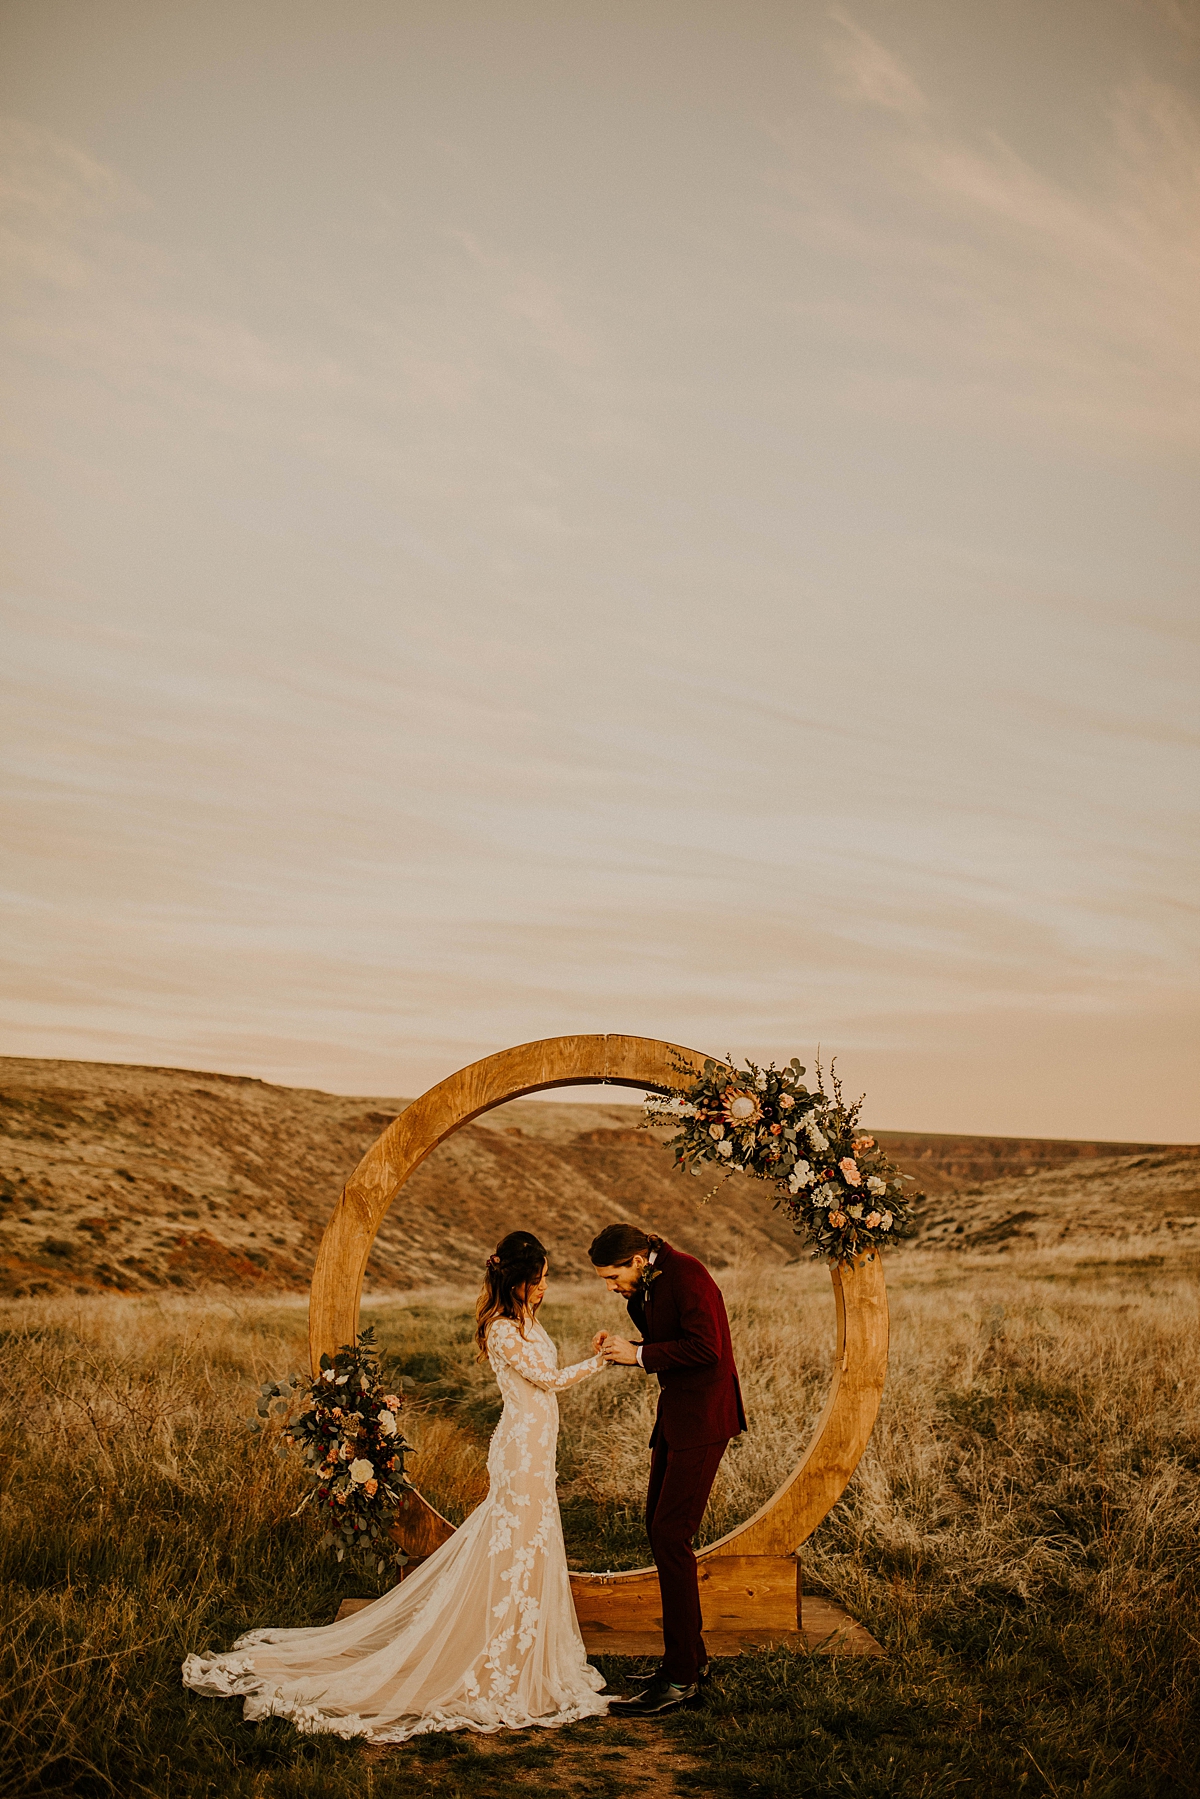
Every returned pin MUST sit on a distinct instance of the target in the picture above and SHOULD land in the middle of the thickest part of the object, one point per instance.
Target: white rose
(875, 1185)
(801, 1176)
(826, 1195)
(328, 1374)
(362, 1471)
(760, 1081)
(387, 1423)
(725, 1148)
(885, 1223)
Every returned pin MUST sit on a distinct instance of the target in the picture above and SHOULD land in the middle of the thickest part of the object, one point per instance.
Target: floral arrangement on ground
(834, 1182)
(349, 1435)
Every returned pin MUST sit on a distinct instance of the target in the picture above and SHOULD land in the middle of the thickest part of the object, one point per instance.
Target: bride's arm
(529, 1359)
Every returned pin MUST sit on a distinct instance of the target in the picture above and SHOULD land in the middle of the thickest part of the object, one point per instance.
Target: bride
(483, 1636)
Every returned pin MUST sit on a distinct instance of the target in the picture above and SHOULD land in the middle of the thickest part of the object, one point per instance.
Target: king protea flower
(742, 1107)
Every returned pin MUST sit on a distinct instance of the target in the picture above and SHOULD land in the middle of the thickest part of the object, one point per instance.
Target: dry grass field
(1021, 1536)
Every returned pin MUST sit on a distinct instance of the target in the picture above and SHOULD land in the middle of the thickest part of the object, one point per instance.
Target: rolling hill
(134, 1179)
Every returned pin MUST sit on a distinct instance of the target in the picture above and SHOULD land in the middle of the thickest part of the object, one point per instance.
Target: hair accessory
(493, 1261)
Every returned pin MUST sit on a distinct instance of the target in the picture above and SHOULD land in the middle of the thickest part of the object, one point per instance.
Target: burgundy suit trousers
(680, 1483)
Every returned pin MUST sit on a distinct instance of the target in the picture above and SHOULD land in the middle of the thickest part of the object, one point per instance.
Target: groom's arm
(621, 1349)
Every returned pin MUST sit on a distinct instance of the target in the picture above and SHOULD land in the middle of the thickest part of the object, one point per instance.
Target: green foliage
(349, 1437)
(838, 1187)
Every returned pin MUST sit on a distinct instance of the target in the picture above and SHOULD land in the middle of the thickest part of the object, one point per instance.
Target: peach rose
(872, 1219)
(837, 1220)
(849, 1168)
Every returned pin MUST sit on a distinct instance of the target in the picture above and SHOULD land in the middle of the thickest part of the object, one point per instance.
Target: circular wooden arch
(792, 1514)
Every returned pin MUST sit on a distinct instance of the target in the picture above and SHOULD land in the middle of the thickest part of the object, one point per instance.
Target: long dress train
(482, 1636)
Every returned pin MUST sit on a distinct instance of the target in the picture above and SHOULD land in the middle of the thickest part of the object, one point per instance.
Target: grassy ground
(1020, 1535)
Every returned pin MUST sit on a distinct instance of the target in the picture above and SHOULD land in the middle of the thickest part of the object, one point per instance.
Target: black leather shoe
(660, 1696)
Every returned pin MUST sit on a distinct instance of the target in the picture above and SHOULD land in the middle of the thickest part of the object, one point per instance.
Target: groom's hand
(619, 1349)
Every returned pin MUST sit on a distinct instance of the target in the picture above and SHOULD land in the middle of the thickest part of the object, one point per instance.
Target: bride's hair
(516, 1266)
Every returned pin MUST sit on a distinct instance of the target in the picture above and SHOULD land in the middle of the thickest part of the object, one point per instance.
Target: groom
(679, 1315)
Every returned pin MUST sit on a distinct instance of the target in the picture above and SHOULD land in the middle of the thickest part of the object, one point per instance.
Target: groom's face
(623, 1277)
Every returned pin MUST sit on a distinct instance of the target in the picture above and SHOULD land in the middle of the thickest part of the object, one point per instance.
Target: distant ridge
(115, 1177)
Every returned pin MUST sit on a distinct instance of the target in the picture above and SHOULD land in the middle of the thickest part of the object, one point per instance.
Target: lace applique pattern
(483, 1635)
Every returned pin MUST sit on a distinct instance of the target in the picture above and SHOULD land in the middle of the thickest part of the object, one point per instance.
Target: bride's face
(536, 1292)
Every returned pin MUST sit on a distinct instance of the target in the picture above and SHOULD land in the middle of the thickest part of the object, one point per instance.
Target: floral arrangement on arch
(349, 1435)
(834, 1182)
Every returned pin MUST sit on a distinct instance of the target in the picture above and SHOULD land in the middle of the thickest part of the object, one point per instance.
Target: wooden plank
(763, 1588)
(729, 1586)
(829, 1630)
(762, 1591)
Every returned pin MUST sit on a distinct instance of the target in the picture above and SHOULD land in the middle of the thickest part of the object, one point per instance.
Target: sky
(526, 518)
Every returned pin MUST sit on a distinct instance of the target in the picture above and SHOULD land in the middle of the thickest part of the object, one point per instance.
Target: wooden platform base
(825, 1630)
(750, 1602)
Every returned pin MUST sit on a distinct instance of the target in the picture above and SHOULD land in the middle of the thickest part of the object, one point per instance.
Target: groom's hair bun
(618, 1243)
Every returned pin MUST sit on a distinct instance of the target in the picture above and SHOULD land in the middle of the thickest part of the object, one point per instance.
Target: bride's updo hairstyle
(508, 1274)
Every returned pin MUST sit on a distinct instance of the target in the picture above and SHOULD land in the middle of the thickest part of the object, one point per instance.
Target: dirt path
(630, 1760)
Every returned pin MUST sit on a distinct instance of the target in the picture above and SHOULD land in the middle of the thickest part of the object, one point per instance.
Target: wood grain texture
(791, 1515)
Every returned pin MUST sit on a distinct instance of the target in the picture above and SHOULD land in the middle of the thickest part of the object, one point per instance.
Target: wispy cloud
(1011, 294)
(867, 72)
(98, 297)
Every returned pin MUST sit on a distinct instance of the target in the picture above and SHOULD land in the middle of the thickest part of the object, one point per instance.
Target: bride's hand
(598, 1341)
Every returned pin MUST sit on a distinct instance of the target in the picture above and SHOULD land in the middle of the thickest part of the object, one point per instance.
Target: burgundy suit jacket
(685, 1336)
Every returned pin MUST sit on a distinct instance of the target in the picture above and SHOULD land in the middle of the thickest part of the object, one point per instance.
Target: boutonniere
(647, 1278)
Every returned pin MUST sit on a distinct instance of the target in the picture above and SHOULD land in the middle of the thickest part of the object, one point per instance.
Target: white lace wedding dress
(482, 1636)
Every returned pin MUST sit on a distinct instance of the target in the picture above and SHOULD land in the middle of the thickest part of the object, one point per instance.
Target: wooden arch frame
(754, 1556)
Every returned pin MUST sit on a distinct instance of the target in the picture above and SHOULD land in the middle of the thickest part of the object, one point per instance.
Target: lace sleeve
(532, 1363)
